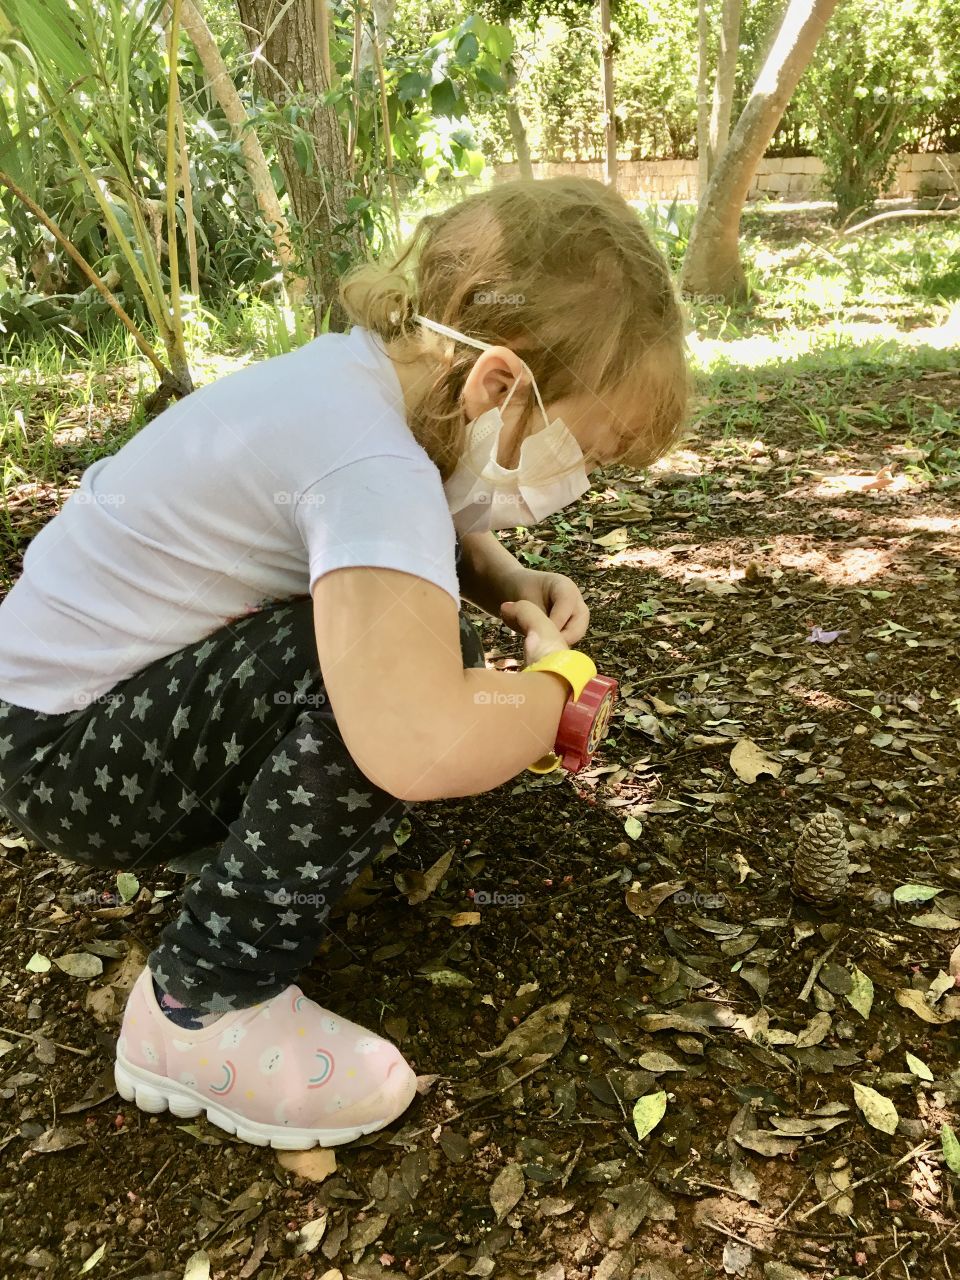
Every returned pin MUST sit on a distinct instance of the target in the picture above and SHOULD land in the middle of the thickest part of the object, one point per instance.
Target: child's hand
(540, 635)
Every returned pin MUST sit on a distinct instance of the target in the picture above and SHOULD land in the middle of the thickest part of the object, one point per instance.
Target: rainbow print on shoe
(285, 1073)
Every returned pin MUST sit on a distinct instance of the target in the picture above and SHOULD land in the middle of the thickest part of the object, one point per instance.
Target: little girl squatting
(243, 633)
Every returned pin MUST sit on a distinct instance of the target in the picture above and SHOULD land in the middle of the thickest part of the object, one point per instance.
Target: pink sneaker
(285, 1073)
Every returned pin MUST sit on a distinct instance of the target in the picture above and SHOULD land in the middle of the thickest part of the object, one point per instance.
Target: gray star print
(304, 835)
(188, 801)
(219, 1004)
(141, 704)
(355, 799)
(216, 924)
(204, 652)
(244, 672)
(282, 763)
(130, 789)
(80, 800)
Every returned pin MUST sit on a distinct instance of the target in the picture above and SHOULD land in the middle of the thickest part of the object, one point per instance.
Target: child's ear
(488, 383)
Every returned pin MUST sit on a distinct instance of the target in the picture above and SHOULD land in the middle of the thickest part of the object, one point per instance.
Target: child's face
(592, 421)
(594, 424)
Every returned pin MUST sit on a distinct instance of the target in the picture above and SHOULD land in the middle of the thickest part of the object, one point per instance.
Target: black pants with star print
(228, 745)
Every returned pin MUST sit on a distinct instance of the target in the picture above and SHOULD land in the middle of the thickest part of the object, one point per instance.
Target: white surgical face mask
(550, 474)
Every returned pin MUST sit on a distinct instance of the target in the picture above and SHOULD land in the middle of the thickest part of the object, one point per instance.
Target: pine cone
(821, 867)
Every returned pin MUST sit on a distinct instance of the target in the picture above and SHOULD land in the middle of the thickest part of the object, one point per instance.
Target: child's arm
(488, 573)
(416, 723)
(490, 576)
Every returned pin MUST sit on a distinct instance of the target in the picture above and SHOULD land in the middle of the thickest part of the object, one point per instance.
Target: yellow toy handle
(574, 667)
(578, 670)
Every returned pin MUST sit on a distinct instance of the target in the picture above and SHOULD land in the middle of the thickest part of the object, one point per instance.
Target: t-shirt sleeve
(384, 512)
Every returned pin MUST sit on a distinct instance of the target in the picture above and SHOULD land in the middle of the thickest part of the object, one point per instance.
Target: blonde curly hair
(560, 270)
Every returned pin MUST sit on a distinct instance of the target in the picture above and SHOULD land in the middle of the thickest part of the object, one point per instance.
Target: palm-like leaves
(76, 57)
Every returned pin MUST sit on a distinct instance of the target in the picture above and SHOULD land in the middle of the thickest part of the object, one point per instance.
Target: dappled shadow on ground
(638, 937)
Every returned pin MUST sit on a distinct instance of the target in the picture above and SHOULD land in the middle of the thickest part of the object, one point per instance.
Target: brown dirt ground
(706, 607)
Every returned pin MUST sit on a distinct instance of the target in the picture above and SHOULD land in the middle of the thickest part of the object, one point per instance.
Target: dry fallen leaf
(907, 998)
(644, 902)
(461, 918)
(419, 885)
(748, 761)
(508, 1186)
(543, 1030)
(315, 1164)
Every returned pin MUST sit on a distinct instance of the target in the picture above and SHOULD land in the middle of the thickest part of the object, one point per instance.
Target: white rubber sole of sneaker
(156, 1094)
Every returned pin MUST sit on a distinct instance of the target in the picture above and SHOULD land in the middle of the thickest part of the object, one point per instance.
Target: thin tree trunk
(515, 121)
(255, 162)
(289, 62)
(609, 120)
(724, 84)
(382, 17)
(712, 263)
(703, 110)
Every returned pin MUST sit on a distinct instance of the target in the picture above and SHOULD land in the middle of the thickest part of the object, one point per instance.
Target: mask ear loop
(483, 346)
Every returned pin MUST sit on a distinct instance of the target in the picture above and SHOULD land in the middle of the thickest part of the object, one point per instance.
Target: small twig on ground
(815, 969)
(493, 1093)
(715, 1226)
(27, 1035)
(442, 1267)
(887, 1168)
(793, 1202)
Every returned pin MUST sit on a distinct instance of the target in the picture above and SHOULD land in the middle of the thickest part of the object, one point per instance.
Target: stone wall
(787, 178)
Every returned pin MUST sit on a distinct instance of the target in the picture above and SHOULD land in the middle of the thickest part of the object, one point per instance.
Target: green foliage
(117, 109)
(434, 83)
(875, 80)
(670, 225)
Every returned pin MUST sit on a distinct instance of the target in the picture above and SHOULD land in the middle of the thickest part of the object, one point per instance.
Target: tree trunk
(703, 107)
(518, 129)
(724, 84)
(609, 120)
(289, 62)
(712, 263)
(255, 162)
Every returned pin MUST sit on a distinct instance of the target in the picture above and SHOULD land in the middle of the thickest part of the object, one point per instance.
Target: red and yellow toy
(586, 717)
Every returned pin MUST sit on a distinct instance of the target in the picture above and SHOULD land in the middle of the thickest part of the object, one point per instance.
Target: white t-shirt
(245, 492)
